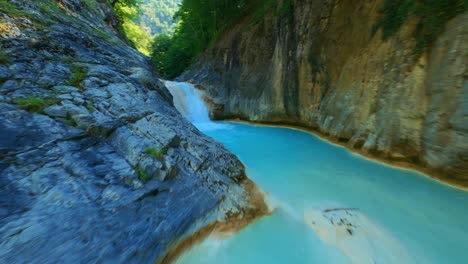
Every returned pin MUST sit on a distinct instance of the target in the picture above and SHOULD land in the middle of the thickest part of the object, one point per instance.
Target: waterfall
(189, 102)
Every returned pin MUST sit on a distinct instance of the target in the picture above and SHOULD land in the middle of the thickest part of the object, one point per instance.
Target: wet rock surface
(78, 110)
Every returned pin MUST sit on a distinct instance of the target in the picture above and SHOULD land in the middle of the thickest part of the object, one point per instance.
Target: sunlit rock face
(96, 165)
(320, 67)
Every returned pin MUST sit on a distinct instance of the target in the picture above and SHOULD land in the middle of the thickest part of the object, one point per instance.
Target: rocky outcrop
(320, 67)
(96, 165)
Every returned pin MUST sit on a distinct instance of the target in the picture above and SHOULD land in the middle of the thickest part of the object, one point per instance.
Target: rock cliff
(96, 165)
(321, 67)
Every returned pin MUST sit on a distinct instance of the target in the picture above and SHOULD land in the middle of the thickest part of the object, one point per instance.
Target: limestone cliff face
(321, 68)
(96, 165)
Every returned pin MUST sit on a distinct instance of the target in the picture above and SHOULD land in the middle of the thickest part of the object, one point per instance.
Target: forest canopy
(199, 23)
(156, 16)
(142, 20)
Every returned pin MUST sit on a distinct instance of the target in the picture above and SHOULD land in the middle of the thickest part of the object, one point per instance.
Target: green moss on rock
(142, 175)
(78, 75)
(157, 153)
(36, 104)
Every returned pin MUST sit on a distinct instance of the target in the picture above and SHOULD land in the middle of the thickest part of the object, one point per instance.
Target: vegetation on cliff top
(202, 21)
(156, 16)
(127, 12)
(200, 24)
(432, 15)
(142, 20)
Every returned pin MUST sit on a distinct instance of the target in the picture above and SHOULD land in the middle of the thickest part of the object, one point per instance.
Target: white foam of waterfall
(188, 100)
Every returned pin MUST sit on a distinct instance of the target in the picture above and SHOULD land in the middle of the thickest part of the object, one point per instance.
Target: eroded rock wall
(96, 165)
(320, 67)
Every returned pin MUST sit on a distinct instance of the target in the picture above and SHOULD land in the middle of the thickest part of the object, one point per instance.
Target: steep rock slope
(96, 165)
(320, 67)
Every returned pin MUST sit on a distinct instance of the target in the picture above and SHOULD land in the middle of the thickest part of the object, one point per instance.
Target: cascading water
(332, 206)
(188, 100)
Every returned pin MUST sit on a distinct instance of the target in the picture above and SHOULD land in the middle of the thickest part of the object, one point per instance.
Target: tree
(200, 22)
(160, 54)
(156, 16)
(125, 8)
(132, 3)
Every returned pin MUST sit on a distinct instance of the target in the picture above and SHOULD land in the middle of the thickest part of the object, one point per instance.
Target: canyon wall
(320, 67)
(96, 165)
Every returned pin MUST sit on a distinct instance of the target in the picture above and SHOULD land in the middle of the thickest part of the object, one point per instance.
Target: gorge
(320, 66)
(103, 161)
(358, 212)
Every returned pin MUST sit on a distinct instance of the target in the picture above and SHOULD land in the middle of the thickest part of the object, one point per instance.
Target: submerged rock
(356, 236)
(78, 111)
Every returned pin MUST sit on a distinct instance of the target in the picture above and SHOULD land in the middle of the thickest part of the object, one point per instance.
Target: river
(330, 204)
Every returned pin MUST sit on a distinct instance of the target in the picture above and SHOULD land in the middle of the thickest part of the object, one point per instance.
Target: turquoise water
(395, 216)
(418, 220)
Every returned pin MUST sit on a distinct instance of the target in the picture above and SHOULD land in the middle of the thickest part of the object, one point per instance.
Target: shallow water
(397, 216)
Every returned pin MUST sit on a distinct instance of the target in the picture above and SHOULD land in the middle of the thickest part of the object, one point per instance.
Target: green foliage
(201, 22)
(89, 3)
(142, 174)
(100, 33)
(5, 5)
(157, 153)
(171, 56)
(71, 122)
(47, 7)
(138, 36)
(36, 104)
(105, 36)
(156, 16)
(4, 59)
(39, 20)
(139, 18)
(90, 106)
(287, 10)
(432, 15)
(11, 9)
(261, 8)
(125, 8)
(78, 75)
(395, 14)
(161, 58)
